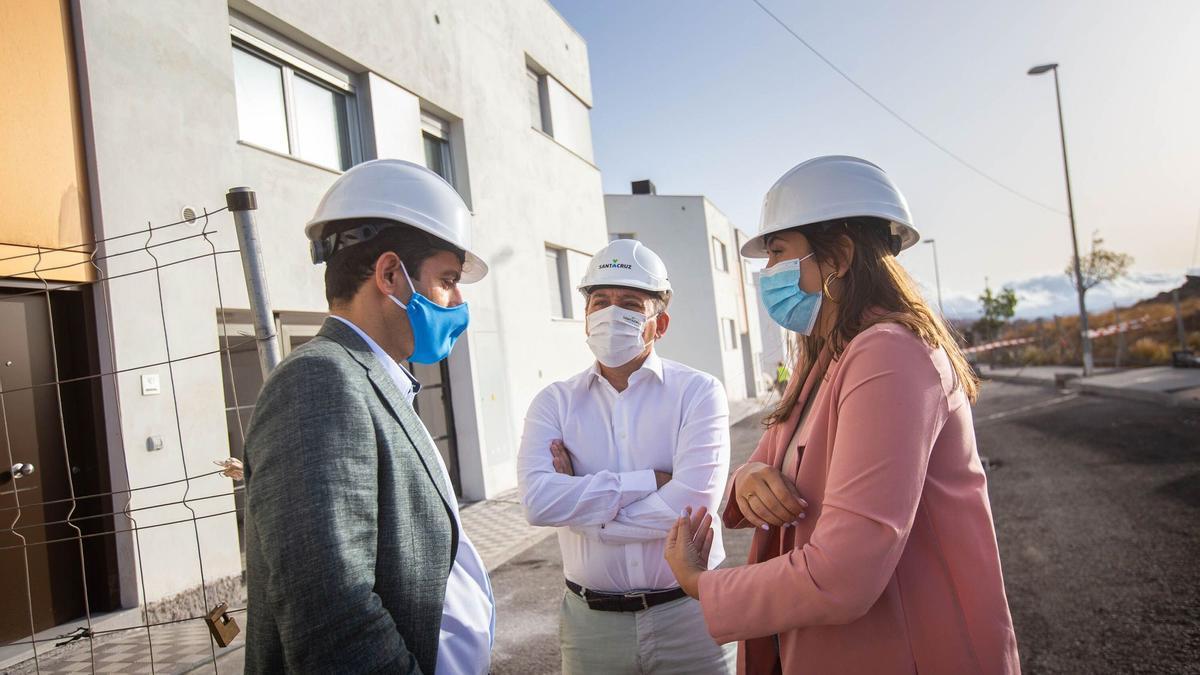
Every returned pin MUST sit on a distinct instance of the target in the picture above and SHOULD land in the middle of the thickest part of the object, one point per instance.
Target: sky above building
(714, 97)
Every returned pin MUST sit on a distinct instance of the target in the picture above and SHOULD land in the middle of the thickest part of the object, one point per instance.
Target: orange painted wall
(43, 187)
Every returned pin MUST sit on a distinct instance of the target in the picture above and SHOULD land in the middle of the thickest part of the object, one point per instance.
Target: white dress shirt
(468, 628)
(612, 520)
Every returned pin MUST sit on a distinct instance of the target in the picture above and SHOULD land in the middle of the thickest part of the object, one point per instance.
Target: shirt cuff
(636, 485)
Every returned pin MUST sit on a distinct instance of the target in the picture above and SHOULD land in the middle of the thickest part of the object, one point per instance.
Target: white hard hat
(400, 191)
(629, 263)
(830, 188)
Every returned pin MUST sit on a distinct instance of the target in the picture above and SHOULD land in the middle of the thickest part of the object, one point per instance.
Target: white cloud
(1051, 294)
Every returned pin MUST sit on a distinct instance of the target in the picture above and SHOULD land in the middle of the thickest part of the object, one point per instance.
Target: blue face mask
(434, 328)
(788, 304)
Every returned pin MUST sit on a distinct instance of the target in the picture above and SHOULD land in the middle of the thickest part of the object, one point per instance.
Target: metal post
(1120, 335)
(242, 203)
(1179, 321)
(937, 275)
(1088, 363)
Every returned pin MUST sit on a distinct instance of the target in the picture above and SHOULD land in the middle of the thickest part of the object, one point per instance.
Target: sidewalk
(1160, 384)
(496, 526)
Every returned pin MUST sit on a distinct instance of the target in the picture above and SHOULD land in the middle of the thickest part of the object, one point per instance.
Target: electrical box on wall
(151, 385)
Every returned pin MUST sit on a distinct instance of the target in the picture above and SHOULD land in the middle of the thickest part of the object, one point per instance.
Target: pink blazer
(896, 568)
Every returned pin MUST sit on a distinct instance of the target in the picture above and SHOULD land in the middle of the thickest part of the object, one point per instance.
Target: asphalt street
(1097, 510)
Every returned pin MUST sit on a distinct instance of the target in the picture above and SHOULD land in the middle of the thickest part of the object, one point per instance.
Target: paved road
(1097, 507)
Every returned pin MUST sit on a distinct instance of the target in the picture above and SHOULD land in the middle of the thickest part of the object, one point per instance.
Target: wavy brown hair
(875, 289)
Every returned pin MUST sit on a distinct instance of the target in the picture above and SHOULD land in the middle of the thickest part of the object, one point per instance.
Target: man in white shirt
(612, 457)
(356, 557)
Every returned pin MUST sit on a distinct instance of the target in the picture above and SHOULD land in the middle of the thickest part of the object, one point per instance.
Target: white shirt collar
(652, 364)
(405, 382)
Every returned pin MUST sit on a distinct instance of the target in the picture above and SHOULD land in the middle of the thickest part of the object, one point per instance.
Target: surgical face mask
(434, 328)
(788, 304)
(615, 335)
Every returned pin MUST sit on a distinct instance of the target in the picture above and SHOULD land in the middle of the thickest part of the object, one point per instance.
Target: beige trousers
(668, 638)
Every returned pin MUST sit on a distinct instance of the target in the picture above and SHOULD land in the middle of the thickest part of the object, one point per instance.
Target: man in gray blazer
(356, 561)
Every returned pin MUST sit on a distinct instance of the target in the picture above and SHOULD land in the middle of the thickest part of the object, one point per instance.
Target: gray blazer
(349, 533)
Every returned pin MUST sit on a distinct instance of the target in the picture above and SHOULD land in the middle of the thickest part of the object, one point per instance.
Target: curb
(1092, 389)
(1019, 379)
(1159, 397)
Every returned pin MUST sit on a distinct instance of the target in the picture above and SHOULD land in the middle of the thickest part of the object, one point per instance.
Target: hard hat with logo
(394, 191)
(628, 263)
(830, 188)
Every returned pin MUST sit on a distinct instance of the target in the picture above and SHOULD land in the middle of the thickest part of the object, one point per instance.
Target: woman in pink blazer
(875, 550)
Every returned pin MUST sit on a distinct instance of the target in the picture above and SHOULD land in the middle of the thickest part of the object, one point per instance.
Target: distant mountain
(1054, 294)
(1190, 289)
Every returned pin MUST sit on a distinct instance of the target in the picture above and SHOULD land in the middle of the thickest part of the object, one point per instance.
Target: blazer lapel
(395, 402)
(788, 429)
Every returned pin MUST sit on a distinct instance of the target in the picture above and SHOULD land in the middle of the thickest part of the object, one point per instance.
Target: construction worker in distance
(874, 549)
(356, 560)
(611, 457)
(782, 375)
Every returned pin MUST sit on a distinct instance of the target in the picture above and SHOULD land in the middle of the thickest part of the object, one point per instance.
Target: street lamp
(1062, 135)
(937, 275)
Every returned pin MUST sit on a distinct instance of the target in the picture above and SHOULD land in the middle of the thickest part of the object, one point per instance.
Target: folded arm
(700, 465)
(555, 499)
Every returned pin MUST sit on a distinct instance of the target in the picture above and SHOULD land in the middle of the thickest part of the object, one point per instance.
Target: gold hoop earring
(825, 287)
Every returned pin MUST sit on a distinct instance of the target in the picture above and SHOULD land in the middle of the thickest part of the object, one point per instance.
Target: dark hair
(347, 269)
(875, 289)
(658, 299)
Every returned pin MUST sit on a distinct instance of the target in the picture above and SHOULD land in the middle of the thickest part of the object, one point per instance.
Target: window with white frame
(729, 328)
(614, 236)
(720, 256)
(435, 136)
(292, 107)
(558, 282)
(539, 100)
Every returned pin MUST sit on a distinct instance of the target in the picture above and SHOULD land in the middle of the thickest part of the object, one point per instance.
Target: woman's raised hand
(688, 545)
(766, 497)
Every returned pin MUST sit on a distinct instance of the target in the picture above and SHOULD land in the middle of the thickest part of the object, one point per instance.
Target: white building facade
(714, 323)
(180, 101)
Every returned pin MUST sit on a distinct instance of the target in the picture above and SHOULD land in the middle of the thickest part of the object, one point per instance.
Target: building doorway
(434, 407)
(57, 547)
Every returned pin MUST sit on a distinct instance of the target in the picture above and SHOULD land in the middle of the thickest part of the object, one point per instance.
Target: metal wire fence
(32, 528)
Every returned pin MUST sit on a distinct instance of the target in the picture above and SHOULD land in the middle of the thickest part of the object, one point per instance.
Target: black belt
(624, 602)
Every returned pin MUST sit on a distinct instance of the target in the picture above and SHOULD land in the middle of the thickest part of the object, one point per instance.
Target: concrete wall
(728, 298)
(161, 115)
(748, 302)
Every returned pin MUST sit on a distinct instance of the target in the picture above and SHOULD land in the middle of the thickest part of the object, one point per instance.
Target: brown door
(45, 561)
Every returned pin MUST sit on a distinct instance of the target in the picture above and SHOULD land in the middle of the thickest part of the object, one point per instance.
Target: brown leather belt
(624, 602)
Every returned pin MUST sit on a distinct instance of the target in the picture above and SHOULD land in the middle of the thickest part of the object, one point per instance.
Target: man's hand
(561, 458)
(688, 546)
(661, 478)
(767, 497)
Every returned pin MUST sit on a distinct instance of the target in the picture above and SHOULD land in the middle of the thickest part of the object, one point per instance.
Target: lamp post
(1062, 135)
(937, 275)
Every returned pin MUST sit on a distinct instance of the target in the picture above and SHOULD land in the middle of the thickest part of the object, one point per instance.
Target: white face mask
(615, 335)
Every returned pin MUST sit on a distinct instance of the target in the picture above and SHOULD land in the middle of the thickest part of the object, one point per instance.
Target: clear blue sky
(712, 97)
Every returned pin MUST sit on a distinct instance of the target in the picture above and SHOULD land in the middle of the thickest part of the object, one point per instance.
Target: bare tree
(1100, 265)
